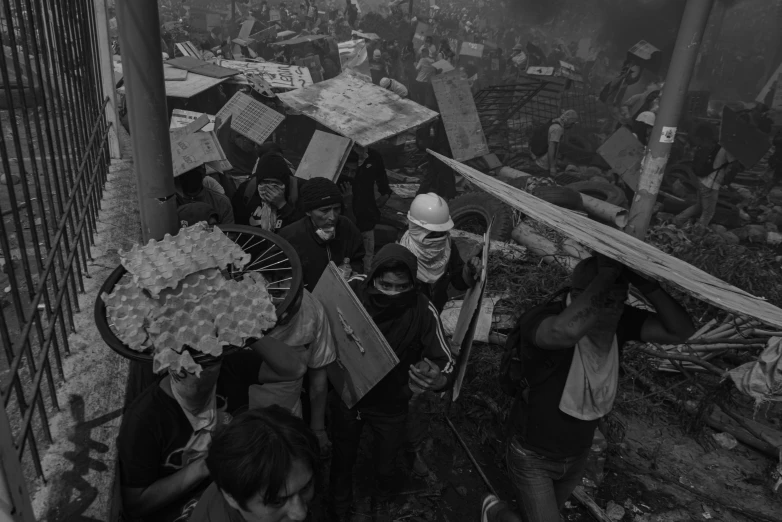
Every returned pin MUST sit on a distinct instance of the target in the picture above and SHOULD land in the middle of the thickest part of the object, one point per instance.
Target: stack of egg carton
(176, 296)
(163, 264)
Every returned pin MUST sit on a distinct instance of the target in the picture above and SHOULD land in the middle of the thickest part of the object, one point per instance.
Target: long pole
(693, 24)
(107, 75)
(142, 68)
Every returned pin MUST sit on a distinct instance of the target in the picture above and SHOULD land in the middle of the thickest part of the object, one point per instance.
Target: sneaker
(496, 510)
(420, 469)
(489, 501)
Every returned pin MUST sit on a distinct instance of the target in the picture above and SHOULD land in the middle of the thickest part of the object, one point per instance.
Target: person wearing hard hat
(439, 261)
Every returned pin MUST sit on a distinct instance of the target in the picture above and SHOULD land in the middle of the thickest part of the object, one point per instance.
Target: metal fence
(55, 161)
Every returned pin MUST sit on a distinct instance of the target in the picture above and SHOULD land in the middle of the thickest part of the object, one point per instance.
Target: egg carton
(163, 264)
(192, 288)
(235, 312)
(129, 312)
(169, 359)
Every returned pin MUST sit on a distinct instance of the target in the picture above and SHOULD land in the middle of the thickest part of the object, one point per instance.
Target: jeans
(706, 205)
(369, 248)
(417, 427)
(543, 484)
(346, 427)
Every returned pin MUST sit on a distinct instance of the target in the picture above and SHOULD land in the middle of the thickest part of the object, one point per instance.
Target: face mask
(326, 234)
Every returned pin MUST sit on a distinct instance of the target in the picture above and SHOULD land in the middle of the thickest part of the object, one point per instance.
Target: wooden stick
(703, 329)
(704, 340)
(583, 497)
(675, 357)
(725, 346)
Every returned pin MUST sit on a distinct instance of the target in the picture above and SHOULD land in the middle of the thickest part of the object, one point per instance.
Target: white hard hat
(431, 212)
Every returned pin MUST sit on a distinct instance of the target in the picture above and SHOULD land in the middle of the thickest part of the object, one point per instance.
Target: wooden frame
(325, 156)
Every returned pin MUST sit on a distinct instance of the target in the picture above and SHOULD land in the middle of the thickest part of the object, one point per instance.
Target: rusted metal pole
(693, 24)
(145, 90)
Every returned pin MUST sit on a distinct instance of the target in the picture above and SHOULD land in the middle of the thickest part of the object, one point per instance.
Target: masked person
(571, 348)
(192, 189)
(394, 86)
(324, 234)
(364, 171)
(264, 465)
(439, 261)
(545, 141)
(412, 327)
(166, 430)
(266, 199)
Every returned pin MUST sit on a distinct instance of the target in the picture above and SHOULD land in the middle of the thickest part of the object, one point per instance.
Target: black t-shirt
(538, 423)
(372, 172)
(155, 433)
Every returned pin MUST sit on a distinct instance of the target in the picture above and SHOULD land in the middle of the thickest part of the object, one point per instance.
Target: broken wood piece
(460, 117)
(596, 511)
(626, 249)
(604, 211)
(505, 248)
(325, 156)
(543, 247)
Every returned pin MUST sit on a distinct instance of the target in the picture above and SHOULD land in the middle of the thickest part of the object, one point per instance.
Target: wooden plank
(189, 87)
(776, 102)
(444, 66)
(464, 333)
(357, 109)
(460, 117)
(626, 249)
(312, 64)
(188, 49)
(363, 356)
(325, 156)
(201, 67)
(252, 119)
(744, 141)
(196, 125)
(623, 152)
(172, 74)
(183, 118)
(246, 30)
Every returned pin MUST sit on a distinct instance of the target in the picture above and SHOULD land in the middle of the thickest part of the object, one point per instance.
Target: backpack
(538, 142)
(519, 369)
(703, 159)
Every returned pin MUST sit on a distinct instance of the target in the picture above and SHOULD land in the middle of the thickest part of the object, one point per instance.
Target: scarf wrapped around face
(433, 254)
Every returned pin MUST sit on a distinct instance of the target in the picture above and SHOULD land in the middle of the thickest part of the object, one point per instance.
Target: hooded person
(323, 234)
(412, 327)
(439, 262)
(191, 189)
(394, 86)
(191, 213)
(572, 347)
(545, 141)
(266, 200)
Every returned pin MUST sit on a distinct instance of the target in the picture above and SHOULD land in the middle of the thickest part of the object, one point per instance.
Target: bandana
(433, 254)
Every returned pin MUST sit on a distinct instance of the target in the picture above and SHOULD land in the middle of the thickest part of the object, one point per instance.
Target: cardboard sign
(444, 66)
(472, 49)
(422, 30)
(246, 30)
(363, 354)
(325, 156)
(267, 35)
(252, 119)
(194, 150)
(623, 152)
(274, 15)
(196, 125)
(278, 76)
(540, 71)
(468, 317)
(744, 141)
(460, 117)
(182, 118)
(312, 63)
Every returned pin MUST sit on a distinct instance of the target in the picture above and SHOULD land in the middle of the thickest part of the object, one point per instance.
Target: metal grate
(251, 118)
(55, 160)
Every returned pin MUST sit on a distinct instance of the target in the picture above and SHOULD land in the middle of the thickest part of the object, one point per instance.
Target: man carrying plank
(568, 356)
(412, 327)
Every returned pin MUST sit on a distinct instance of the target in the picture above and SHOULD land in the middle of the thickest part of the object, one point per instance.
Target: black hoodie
(410, 324)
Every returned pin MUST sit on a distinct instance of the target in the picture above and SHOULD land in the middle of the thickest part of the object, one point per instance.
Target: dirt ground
(657, 472)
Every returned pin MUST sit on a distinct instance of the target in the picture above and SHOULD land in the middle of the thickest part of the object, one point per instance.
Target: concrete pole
(693, 24)
(142, 68)
(107, 75)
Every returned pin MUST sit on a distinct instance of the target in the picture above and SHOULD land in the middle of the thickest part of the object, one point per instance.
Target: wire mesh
(55, 159)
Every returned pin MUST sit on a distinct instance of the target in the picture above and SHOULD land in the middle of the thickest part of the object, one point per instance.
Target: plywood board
(744, 141)
(252, 119)
(325, 156)
(189, 87)
(464, 333)
(444, 66)
(773, 82)
(267, 35)
(357, 109)
(177, 133)
(623, 152)
(460, 117)
(472, 49)
(626, 249)
(422, 30)
(277, 75)
(246, 30)
(172, 74)
(274, 15)
(201, 67)
(183, 118)
(312, 63)
(188, 49)
(363, 354)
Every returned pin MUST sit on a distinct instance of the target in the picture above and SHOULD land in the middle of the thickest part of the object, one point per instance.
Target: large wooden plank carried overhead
(357, 109)
(325, 156)
(460, 117)
(626, 249)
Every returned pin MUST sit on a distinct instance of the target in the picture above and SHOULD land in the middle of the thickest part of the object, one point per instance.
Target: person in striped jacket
(412, 327)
